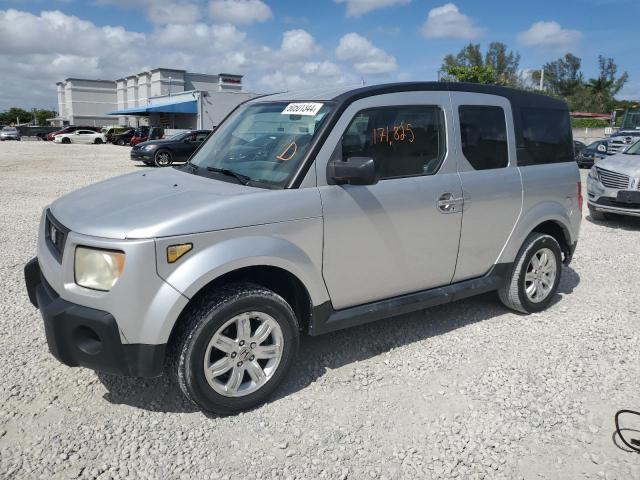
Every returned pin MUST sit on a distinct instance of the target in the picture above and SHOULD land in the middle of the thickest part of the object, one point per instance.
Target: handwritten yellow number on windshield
(393, 134)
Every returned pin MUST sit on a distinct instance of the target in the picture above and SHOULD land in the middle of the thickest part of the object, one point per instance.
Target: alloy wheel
(243, 354)
(541, 275)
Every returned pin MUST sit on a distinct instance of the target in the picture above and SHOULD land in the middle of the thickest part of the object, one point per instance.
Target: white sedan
(80, 136)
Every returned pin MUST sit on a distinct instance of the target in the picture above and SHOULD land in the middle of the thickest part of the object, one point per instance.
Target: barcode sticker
(302, 109)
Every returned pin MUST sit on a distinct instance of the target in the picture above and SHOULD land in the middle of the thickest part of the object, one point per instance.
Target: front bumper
(142, 155)
(607, 205)
(87, 337)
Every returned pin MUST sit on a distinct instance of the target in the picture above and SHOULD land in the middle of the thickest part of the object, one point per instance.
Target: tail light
(580, 198)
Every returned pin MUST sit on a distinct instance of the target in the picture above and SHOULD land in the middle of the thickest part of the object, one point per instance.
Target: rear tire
(98, 141)
(533, 282)
(250, 364)
(120, 142)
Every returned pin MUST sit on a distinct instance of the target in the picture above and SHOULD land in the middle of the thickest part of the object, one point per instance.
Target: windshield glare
(263, 141)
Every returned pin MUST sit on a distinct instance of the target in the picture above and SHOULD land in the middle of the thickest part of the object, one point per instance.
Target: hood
(169, 202)
(621, 163)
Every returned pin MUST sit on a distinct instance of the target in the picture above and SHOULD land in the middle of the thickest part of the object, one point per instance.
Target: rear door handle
(447, 203)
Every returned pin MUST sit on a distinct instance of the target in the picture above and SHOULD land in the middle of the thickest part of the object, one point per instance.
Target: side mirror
(602, 148)
(353, 171)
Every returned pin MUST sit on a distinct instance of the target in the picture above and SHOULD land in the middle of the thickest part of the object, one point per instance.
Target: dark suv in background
(164, 152)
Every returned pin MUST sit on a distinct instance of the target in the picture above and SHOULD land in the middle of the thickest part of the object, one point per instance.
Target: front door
(400, 235)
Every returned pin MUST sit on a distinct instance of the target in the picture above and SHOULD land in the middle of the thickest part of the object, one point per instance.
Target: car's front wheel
(163, 158)
(535, 275)
(66, 140)
(234, 348)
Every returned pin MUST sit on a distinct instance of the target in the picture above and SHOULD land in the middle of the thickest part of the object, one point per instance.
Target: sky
(290, 44)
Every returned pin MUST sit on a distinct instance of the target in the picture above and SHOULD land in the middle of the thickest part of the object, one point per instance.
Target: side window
(546, 136)
(483, 133)
(201, 137)
(403, 141)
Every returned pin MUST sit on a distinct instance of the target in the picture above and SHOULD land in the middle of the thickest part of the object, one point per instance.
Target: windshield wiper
(243, 179)
(192, 166)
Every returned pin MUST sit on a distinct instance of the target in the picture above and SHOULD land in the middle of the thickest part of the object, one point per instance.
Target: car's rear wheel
(534, 278)
(120, 142)
(234, 348)
(98, 141)
(163, 158)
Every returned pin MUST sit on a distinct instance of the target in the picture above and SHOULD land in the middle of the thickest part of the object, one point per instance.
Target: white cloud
(549, 34)
(240, 12)
(355, 8)
(161, 11)
(365, 56)
(298, 44)
(218, 38)
(321, 69)
(448, 22)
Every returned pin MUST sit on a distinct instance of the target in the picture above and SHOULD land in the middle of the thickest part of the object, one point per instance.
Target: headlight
(98, 269)
(149, 147)
(594, 175)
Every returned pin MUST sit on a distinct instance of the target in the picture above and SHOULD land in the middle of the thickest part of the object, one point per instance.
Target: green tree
(498, 65)
(42, 115)
(562, 76)
(14, 114)
(472, 74)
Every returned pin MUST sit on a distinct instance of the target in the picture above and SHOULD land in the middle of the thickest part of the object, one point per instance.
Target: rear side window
(403, 141)
(546, 136)
(483, 132)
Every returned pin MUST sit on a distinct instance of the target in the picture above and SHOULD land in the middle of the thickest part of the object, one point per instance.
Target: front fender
(295, 246)
(538, 214)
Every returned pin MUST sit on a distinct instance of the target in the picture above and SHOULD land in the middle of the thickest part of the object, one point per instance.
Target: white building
(160, 97)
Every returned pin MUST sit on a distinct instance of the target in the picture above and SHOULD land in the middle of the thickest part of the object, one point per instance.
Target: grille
(613, 179)
(56, 235)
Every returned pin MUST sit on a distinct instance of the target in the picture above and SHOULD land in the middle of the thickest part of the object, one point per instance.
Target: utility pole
(542, 79)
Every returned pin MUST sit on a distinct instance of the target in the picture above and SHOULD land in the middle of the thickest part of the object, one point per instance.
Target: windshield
(9, 129)
(633, 149)
(264, 142)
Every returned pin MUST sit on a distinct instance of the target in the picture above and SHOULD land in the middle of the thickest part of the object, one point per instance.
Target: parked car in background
(166, 151)
(111, 132)
(9, 133)
(80, 136)
(592, 153)
(309, 217)
(578, 146)
(613, 185)
(123, 138)
(147, 133)
(70, 129)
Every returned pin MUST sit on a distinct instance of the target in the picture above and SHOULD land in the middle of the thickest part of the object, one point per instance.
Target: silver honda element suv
(306, 213)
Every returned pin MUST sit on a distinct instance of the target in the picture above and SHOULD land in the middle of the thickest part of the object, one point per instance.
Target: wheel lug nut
(239, 364)
(233, 354)
(252, 357)
(253, 345)
(241, 343)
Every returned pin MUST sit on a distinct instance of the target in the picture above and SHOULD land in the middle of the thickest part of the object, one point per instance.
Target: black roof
(522, 98)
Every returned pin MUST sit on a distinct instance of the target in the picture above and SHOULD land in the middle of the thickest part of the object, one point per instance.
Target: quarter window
(403, 141)
(546, 136)
(483, 133)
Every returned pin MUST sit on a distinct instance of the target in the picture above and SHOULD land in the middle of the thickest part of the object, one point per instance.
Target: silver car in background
(613, 185)
(9, 133)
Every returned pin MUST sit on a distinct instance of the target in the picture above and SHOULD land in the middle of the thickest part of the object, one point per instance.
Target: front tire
(65, 140)
(234, 348)
(163, 158)
(535, 276)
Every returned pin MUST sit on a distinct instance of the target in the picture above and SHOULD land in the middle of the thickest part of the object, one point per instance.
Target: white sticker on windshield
(302, 109)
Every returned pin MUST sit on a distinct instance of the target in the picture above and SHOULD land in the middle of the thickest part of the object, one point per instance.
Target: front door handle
(447, 203)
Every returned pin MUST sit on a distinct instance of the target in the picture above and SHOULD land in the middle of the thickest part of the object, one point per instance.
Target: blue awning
(190, 106)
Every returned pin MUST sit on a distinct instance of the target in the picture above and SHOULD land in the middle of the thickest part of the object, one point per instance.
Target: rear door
(491, 180)
(396, 236)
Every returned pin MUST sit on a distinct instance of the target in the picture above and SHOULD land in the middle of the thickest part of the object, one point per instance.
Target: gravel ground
(466, 390)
